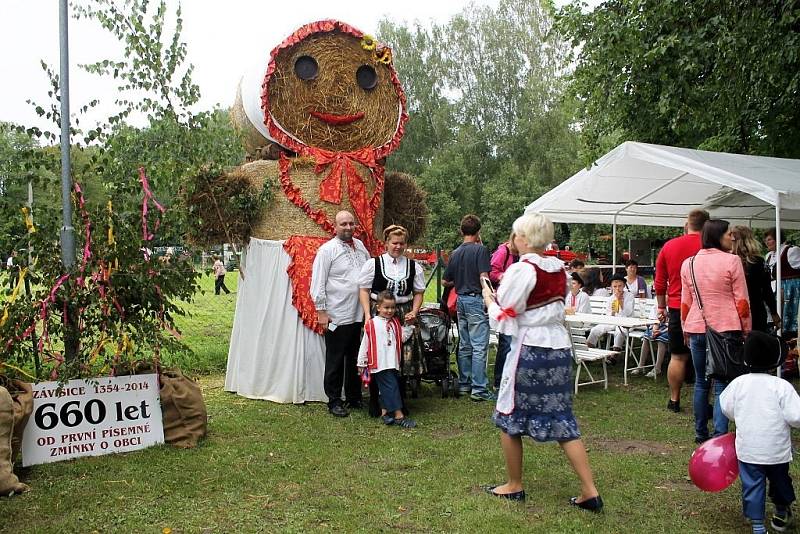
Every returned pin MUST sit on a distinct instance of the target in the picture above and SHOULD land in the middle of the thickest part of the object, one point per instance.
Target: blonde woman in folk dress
(535, 397)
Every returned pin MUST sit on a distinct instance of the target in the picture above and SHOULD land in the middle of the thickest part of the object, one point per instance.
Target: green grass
(268, 467)
(207, 327)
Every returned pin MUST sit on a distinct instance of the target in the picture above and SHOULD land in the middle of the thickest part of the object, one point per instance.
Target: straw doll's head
(329, 86)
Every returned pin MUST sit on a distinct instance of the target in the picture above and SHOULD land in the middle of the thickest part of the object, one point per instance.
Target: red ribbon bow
(506, 313)
(341, 163)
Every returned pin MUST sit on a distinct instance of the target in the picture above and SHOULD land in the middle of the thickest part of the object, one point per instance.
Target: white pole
(778, 285)
(778, 241)
(614, 246)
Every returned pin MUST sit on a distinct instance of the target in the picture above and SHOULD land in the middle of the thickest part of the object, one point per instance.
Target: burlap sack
(9, 483)
(183, 409)
(22, 395)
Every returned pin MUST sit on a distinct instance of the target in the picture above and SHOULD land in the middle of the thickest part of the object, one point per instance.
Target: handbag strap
(696, 292)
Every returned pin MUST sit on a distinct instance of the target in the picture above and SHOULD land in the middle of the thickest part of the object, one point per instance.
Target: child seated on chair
(380, 350)
(764, 408)
(620, 305)
(577, 299)
(653, 334)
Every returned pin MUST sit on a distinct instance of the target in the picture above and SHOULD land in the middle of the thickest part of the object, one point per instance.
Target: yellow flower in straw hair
(368, 42)
(383, 55)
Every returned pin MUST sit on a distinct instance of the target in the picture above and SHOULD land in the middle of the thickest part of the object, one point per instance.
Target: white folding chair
(598, 304)
(643, 308)
(584, 355)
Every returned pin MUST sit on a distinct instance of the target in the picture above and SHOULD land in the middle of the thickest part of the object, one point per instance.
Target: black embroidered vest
(401, 287)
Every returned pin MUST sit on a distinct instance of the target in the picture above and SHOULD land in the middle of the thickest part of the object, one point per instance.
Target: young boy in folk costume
(620, 305)
(577, 299)
(380, 354)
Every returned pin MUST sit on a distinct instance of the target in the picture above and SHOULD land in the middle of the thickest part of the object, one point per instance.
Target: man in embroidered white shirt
(334, 289)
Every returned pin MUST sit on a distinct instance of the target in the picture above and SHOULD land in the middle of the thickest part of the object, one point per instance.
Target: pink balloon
(714, 466)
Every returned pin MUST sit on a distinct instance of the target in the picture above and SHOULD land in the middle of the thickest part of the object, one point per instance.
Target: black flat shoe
(595, 504)
(338, 411)
(518, 496)
(674, 406)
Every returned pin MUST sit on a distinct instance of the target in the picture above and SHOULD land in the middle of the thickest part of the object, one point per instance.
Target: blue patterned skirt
(542, 397)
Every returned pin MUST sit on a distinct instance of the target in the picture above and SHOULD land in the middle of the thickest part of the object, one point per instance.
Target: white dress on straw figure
(272, 355)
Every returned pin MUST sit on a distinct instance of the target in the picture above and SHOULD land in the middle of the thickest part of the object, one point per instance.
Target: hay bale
(252, 139)
(283, 219)
(404, 203)
(334, 90)
(225, 205)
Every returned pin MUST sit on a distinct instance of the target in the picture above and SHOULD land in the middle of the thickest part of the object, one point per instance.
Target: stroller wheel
(414, 385)
(454, 385)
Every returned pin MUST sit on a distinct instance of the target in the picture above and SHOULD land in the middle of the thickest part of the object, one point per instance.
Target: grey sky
(223, 38)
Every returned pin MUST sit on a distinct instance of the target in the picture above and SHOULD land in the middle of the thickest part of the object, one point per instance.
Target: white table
(623, 322)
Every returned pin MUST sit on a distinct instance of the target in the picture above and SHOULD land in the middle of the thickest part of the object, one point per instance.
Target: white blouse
(544, 326)
(394, 270)
(386, 339)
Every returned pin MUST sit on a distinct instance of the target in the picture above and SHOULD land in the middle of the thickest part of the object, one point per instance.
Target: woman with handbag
(714, 307)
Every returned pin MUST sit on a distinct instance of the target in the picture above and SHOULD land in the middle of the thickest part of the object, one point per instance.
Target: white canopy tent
(656, 185)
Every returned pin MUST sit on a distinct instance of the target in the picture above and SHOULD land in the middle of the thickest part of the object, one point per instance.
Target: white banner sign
(92, 417)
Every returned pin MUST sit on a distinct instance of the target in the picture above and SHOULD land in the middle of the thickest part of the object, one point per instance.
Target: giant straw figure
(319, 121)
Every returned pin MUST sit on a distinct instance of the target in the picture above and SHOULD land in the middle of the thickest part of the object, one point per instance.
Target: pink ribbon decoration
(148, 195)
(87, 251)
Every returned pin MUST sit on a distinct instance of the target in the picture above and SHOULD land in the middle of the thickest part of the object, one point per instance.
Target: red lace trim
(302, 250)
(341, 163)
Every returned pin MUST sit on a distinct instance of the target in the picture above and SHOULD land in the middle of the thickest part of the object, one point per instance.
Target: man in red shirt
(668, 295)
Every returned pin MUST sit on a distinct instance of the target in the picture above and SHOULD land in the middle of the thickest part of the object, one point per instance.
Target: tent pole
(614, 246)
(778, 281)
(628, 205)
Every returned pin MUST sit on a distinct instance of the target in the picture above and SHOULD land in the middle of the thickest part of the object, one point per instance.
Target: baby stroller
(434, 344)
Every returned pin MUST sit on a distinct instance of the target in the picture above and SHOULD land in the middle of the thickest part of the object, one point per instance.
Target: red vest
(550, 287)
(787, 271)
(372, 347)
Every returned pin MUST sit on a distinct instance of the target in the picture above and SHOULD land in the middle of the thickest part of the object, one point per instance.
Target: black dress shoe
(518, 496)
(595, 504)
(338, 411)
(674, 406)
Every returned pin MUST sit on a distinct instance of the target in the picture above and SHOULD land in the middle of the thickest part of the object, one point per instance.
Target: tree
(118, 297)
(712, 74)
(488, 129)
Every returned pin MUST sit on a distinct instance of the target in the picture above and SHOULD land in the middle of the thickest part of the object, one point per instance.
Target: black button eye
(366, 77)
(306, 68)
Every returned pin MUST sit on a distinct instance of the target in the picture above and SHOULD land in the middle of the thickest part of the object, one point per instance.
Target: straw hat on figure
(318, 122)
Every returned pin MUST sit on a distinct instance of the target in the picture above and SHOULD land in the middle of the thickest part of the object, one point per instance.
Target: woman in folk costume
(318, 121)
(379, 358)
(392, 271)
(535, 397)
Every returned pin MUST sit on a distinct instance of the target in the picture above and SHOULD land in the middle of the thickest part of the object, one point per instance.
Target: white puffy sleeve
(512, 297)
(793, 255)
(419, 278)
(367, 274)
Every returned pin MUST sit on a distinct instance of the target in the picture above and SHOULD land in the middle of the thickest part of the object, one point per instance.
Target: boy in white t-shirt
(380, 352)
(764, 408)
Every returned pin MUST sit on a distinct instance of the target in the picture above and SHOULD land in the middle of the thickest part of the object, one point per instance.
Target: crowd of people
(712, 277)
